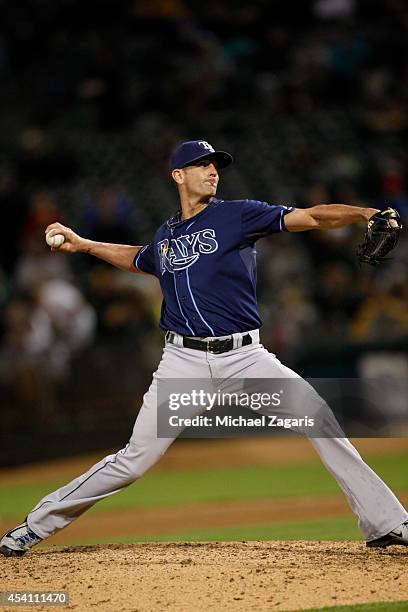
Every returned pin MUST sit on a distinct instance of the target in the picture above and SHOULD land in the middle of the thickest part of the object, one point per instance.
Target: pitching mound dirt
(213, 576)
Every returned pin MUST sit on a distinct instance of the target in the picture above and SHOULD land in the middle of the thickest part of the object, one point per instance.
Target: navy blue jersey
(207, 269)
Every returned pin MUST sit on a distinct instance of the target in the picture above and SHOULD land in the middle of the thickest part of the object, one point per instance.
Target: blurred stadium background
(310, 97)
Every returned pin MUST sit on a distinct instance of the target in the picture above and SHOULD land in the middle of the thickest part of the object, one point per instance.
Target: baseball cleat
(397, 536)
(17, 541)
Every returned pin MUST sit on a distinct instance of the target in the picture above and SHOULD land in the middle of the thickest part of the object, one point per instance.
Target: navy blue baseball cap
(193, 150)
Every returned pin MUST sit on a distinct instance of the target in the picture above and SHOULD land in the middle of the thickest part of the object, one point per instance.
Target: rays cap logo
(192, 151)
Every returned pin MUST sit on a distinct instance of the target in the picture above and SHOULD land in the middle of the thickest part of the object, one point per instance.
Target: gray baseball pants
(377, 508)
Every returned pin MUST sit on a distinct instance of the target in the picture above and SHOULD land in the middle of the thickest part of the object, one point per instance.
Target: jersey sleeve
(145, 259)
(260, 219)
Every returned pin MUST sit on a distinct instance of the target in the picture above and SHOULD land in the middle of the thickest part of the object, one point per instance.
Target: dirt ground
(238, 576)
(182, 577)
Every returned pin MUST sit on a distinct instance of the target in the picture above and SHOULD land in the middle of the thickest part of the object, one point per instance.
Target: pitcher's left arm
(326, 216)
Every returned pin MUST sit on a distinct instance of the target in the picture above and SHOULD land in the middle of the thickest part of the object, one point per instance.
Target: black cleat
(397, 536)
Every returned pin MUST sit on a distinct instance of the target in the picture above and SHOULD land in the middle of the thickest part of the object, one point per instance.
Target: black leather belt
(215, 346)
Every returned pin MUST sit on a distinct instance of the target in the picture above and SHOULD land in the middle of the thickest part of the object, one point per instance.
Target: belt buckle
(169, 337)
(217, 346)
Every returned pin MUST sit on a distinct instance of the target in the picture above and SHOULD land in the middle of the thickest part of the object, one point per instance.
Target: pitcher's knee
(325, 424)
(136, 462)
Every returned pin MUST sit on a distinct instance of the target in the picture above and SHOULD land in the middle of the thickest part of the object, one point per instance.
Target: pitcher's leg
(113, 473)
(58, 509)
(377, 508)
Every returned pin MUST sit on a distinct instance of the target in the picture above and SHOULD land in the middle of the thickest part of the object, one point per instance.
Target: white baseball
(55, 241)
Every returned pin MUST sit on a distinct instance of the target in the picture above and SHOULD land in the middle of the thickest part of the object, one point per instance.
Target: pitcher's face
(201, 178)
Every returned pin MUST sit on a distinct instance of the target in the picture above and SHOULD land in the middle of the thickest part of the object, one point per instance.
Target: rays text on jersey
(182, 252)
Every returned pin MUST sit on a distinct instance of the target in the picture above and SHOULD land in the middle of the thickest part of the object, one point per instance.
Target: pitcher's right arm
(119, 255)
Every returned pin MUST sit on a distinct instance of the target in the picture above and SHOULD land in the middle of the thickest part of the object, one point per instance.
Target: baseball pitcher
(204, 258)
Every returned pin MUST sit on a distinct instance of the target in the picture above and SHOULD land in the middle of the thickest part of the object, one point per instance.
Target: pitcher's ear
(178, 176)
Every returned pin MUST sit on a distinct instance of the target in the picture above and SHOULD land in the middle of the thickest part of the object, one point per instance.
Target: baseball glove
(381, 237)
